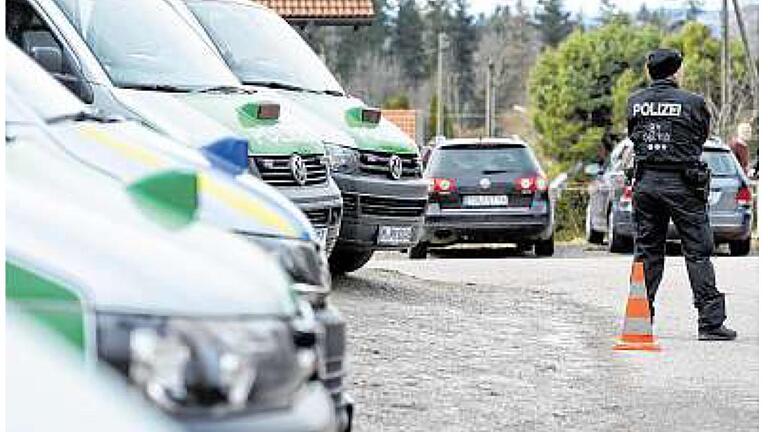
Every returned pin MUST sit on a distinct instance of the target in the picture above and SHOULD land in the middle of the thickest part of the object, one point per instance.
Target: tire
(594, 237)
(418, 251)
(740, 247)
(544, 248)
(617, 243)
(344, 261)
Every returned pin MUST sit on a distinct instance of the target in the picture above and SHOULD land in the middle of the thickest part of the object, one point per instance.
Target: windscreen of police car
(262, 48)
(145, 43)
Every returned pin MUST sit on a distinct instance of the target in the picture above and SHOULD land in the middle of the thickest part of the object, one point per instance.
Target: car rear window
(721, 162)
(457, 161)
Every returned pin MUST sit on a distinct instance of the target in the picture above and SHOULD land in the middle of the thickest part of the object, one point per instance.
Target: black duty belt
(667, 167)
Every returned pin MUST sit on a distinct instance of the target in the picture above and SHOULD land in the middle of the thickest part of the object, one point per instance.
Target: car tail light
(626, 195)
(442, 185)
(531, 184)
(744, 196)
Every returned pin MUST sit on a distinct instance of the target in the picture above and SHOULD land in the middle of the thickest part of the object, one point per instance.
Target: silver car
(609, 212)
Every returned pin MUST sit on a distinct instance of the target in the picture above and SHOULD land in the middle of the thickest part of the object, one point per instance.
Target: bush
(570, 213)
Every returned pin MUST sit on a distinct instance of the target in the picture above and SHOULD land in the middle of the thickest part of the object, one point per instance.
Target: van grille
(378, 163)
(392, 207)
(276, 170)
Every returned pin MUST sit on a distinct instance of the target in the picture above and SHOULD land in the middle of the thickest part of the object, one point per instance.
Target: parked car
(177, 307)
(379, 173)
(50, 389)
(609, 211)
(55, 124)
(487, 190)
(140, 60)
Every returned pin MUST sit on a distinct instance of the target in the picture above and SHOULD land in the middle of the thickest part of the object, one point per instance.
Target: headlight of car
(191, 365)
(304, 261)
(341, 159)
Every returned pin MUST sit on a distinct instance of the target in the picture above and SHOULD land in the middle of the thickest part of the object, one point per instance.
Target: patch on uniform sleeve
(657, 109)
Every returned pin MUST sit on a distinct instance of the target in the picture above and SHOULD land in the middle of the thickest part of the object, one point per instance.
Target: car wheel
(740, 247)
(545, 248)
(617, 243)
(594, 237)
(418, 251)
(344, 261)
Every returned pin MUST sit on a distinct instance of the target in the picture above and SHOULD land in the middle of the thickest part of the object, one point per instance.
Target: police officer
(668, 127)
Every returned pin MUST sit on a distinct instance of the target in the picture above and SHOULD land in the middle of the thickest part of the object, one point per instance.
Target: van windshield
(481, 160)
(145, 43)
(261, 48)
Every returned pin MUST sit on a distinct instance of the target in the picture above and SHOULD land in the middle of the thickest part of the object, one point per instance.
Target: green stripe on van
(49, 302)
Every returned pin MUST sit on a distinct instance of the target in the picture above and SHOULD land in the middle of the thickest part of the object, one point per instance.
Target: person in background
(739, 145)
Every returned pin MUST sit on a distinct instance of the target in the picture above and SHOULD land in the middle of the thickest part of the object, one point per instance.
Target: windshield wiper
(495, 171)
(333, 93)
(223, 89)
(275, 85)
(84, 116)
(156, 87)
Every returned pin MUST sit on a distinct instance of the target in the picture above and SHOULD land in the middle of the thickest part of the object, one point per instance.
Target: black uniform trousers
(657, 197)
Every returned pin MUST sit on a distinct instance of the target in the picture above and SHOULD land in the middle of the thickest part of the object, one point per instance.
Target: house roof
(324, 12)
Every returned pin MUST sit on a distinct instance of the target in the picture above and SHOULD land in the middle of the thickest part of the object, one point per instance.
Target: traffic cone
(638, 331)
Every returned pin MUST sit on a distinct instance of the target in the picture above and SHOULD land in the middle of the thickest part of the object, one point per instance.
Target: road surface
(510, 342)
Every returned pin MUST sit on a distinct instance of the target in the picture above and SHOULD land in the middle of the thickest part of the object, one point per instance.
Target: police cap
(664, 62)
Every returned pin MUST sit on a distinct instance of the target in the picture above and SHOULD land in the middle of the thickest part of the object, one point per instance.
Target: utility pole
(439, 124)
(490, 101)
(725, 70)
(755, 79)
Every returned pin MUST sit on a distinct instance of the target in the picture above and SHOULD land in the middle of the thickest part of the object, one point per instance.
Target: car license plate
(486, 201)
(322, 234)
(394, 235)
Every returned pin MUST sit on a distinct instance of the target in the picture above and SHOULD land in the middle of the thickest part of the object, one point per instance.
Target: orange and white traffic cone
(638, 330)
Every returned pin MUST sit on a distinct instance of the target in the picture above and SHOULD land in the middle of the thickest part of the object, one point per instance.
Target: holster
(698, 178)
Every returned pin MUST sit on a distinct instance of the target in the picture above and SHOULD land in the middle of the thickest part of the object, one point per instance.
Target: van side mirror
(50, 58)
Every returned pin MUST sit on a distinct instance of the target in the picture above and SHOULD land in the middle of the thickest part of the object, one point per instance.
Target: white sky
(591, 7)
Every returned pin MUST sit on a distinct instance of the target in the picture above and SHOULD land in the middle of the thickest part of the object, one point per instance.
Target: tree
(572, 89)
(407, 41)
(694, 9)
(352, 41)
(464, 44)
(553, 22)
(644, 15)
(447, 122)
(701, 74)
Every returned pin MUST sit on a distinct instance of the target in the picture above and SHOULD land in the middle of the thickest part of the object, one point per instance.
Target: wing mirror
(50, 58)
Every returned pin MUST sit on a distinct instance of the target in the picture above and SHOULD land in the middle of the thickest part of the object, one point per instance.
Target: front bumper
(332, 370)
(321, 204)
(371, 202)
(312, 411)
(448, 226)
(726, 226)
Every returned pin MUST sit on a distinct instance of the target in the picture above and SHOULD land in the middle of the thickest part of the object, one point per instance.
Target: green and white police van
(51, 389)
(130, 278)
(139, 60)
(126, 151)
(380, 174)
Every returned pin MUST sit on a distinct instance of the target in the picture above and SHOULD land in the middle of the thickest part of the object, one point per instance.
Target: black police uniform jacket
(667, 124)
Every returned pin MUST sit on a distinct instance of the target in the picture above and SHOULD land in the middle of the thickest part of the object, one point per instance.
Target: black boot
(721, 333)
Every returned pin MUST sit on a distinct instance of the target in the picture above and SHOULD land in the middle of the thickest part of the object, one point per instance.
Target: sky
(591, 7)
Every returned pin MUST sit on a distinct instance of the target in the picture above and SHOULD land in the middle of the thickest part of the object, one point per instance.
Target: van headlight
(341, 159)
(194, 365)
(304, 261)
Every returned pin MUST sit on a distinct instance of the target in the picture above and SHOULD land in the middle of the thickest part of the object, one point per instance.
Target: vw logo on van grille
(298, 169)
(395, 167)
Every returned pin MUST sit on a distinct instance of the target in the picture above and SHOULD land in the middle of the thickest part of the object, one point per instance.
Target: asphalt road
(506, 341)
